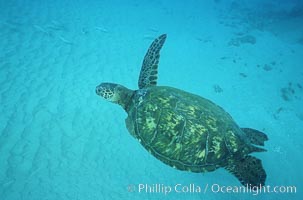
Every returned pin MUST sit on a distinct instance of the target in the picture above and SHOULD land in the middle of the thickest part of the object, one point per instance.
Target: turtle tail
(248, 170)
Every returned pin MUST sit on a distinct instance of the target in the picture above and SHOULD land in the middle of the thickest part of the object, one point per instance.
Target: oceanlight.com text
(254, 190)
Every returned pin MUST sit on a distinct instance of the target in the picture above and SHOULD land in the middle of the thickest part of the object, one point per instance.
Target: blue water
(59, 140)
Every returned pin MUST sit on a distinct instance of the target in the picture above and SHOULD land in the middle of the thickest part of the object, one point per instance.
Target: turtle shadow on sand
(183, 130)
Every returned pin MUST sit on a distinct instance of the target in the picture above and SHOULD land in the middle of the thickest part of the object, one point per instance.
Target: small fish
(153, 30)
(65, 40)
(104, 30)
(41, 29)
(148, 37)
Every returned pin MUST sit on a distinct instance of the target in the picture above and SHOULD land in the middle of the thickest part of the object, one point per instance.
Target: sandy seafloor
(59, 140)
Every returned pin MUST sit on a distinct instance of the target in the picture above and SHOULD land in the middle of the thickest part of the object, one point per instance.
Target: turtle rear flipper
(248, 170)
(255, 137)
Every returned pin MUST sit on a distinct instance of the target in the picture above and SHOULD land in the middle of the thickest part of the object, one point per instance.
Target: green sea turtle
(183, 130)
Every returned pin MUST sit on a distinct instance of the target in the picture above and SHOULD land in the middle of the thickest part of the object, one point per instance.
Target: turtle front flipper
(149, 71)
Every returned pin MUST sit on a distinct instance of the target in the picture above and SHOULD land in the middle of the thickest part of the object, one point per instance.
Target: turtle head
(115, 93)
